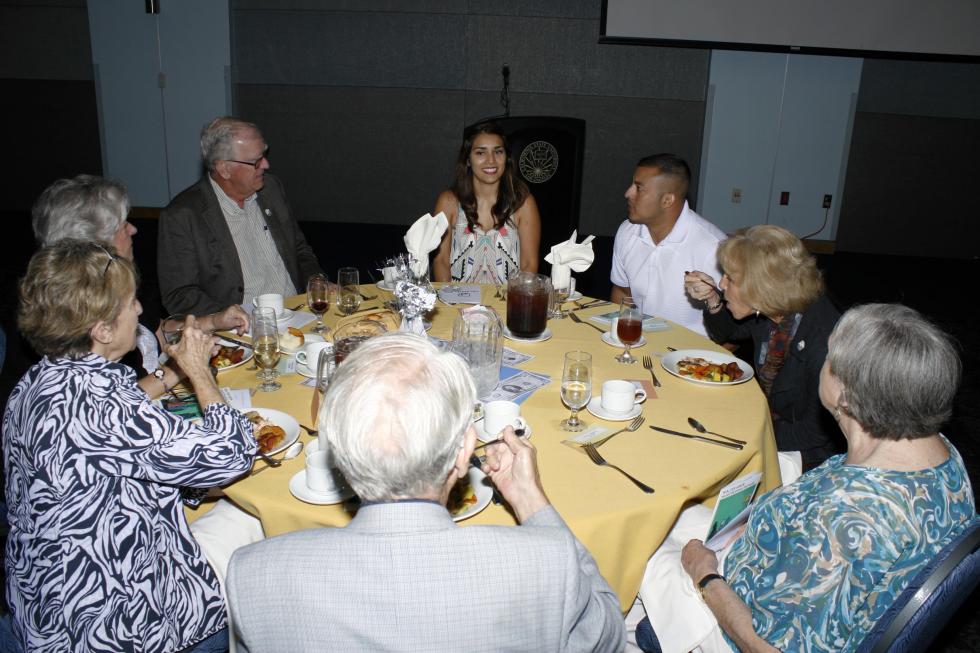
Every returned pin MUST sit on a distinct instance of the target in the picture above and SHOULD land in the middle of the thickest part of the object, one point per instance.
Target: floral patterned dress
(822, 559)
(480, 256)
(99, 555)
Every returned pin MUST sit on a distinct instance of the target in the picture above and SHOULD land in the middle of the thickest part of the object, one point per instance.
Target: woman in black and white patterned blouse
(99, 556)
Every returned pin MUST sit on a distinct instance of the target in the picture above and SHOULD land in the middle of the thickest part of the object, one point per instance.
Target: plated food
(469, 496)
(292, 340)
(230, 355)
(704, 370)
(707, 367)
(274, 430)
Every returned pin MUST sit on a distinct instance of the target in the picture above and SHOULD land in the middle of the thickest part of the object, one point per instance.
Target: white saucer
(287, 314)
(608, 339)
(545, 335)
(300, 490)
(303, 370)
(595, 407)
(483, 436)
(307, 337)
(383, 285)
(574, 297)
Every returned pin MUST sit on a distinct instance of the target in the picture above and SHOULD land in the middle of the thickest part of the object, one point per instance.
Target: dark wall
(363, 103)
(912, 171)
(49, 101)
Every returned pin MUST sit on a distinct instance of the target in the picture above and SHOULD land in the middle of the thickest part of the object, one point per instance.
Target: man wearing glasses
(231, 236)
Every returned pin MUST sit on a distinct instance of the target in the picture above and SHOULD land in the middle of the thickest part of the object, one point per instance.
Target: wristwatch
(703, 583)
(159, 373)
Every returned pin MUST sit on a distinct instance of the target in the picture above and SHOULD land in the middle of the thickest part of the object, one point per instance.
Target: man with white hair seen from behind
(402, 576)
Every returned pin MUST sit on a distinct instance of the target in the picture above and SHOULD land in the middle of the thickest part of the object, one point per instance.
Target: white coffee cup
(320, 473)
(620, 396)
(389, 274)
(498, 415)
(310, 353)
(270, 300)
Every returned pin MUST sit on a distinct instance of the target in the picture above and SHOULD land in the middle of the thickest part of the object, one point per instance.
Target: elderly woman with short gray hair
(96, 209)
(773, 294)
(821, 560)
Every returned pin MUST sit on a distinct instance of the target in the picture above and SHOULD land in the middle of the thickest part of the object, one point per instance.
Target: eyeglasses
(255, 164)
(112, 257)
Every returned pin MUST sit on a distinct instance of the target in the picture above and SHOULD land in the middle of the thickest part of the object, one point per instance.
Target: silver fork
(632, 426)
(578, 320)
(648, 363)
(599, 460)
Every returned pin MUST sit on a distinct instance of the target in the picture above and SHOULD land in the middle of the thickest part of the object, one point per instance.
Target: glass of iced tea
(629, 328)
(528, 298)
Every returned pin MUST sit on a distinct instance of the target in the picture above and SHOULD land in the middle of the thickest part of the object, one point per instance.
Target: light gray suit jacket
(403, 577)
(197, 261)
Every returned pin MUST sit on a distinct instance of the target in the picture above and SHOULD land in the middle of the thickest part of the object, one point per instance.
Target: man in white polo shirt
(662, 239)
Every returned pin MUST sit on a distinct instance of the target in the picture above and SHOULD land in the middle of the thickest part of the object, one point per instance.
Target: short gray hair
(900, 372)
(217, 138)
(83, 208)
(396, 414)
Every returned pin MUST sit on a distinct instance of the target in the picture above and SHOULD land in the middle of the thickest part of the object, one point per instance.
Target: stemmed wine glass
(576, 387)
(349, 295)
(318, 299)
(629, 328)
(265, 342)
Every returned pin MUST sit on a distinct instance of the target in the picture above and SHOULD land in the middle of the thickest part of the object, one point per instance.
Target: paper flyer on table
(469, 294)
(516, 385)
(731, 510)
(650, 323)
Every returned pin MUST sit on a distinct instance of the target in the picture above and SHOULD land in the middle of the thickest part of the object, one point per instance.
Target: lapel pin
(801, 345)
(268, 211)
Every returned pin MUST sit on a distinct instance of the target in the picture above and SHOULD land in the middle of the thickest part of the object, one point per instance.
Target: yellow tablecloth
(620, 525)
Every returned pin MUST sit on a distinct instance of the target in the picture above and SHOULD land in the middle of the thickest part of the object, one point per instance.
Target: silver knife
(235, 341)
(730, 445)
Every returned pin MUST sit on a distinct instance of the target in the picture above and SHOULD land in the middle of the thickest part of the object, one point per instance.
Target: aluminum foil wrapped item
(416, 297)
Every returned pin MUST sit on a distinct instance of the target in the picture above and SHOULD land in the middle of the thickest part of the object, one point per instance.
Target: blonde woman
(774, 294)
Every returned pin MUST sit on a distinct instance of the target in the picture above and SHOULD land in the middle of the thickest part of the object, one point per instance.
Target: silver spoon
(699, 427)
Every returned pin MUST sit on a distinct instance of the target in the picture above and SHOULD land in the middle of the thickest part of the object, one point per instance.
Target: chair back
(926, 605)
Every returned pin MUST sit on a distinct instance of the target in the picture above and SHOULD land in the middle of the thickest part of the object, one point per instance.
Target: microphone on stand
(505, 93)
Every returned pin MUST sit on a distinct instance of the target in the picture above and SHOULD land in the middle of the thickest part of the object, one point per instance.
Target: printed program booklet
(731, 510)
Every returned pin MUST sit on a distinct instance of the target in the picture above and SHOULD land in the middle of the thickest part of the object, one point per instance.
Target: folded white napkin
(423, 237)
(569, 256)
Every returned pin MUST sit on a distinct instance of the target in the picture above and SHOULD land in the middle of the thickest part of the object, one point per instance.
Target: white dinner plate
(284, 421)
(595, 407)
(299, 489)
(670, 360)
(307, 337)
(482, 489)
(246, 358)
(545, 335)
(608, 339)
(483, 436)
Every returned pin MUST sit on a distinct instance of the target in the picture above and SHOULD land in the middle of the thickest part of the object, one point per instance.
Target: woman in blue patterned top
(821, 560)
(99, 556)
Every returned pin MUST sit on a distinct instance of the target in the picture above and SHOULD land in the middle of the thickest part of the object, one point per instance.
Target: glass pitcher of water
(477, 337)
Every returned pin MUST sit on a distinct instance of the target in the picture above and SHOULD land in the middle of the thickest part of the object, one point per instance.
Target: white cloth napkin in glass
(423, 237)
(568, 257)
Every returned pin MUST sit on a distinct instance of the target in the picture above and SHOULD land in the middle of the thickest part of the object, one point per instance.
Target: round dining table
(618, 523)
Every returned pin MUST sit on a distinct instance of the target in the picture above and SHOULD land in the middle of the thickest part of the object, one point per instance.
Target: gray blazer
(403, 577)
(197, 262)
